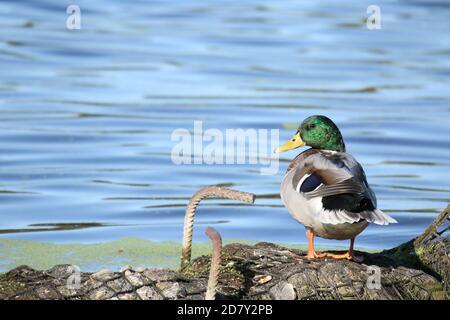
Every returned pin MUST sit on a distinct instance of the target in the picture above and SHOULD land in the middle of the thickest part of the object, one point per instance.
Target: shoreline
(113, 254)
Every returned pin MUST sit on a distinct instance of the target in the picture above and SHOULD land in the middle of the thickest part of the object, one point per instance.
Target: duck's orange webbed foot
(311, 253)
(347, 255)
(314, 255)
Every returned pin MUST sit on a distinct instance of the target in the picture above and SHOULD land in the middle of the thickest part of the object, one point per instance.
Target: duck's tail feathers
(343, 216)
(378, 217)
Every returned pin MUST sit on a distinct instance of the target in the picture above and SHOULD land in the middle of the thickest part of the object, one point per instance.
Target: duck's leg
(311, 253)
(350, 255)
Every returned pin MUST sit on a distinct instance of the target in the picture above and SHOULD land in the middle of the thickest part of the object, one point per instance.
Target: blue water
(87, 115)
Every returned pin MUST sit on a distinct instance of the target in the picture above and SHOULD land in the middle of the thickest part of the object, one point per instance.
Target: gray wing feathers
(340, 174)
(347, 186)
(332, 171)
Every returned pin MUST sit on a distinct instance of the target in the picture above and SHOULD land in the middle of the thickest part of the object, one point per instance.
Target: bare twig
(208, 192)
(215, 263)
(432, 228)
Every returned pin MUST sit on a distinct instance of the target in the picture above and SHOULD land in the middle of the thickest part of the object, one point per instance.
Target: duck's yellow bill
(295, 142)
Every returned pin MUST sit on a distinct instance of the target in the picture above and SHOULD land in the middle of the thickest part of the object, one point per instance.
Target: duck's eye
(311, 126)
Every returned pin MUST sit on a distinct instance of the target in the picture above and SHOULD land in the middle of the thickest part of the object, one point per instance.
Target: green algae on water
(106, 255)
(91, 257)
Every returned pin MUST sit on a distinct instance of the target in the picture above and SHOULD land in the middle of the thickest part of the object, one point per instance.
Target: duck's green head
(318, 132)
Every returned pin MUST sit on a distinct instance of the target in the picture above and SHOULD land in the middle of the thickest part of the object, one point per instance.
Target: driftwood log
(418, 269)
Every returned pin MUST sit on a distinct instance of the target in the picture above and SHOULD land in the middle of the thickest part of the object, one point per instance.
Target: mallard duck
(326, 189)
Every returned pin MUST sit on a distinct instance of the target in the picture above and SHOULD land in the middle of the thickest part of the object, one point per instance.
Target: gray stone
(47, 293)
(104, 275)
(195, 286)
(149, 293)
(90, 284)
(346, 291)
(136, 279)
(305, 283)
(101, 293)
(283, 291)
(67, 292)
(158, 275)
(125, 268)
(62, 271)
(172, 290)
(120, 285)
(196, 297)
(128, 296)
